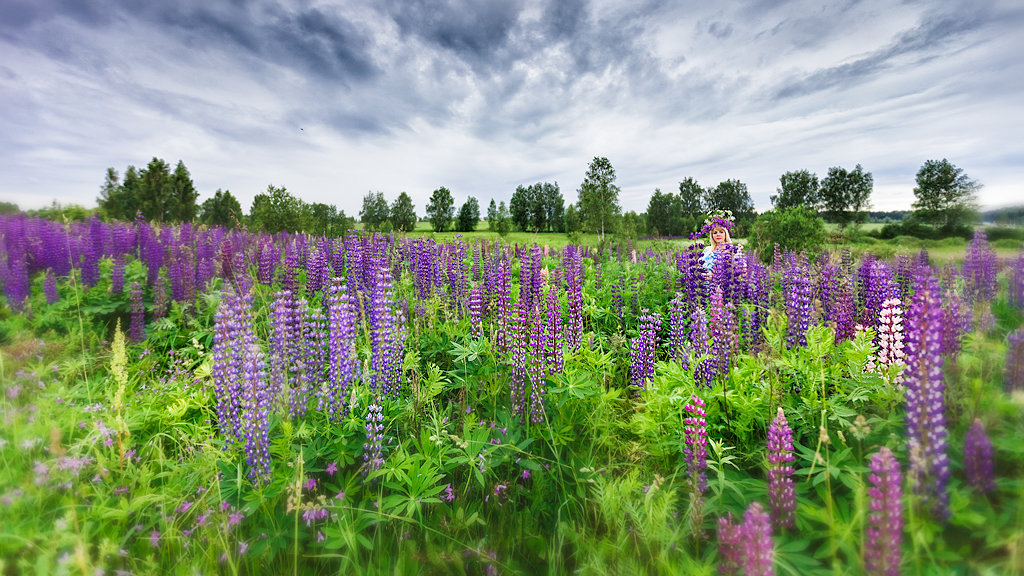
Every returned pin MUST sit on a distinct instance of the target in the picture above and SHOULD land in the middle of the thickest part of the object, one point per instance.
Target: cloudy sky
(335, 99)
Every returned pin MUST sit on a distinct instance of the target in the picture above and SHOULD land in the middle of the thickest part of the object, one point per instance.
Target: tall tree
(111, 199)
(492, 215)
(599, 197)
(222, 209)
(403, 213)
(664, 214)
(182, 202)
(441, 209)
(157, 190)
(945, 196)
(846, 194)
(503, 220)
(521, 208)
(278, 211)
(799, 188)
(374, 212)
(554, 207)
(691, 205)
(732, 195)
(469, 215)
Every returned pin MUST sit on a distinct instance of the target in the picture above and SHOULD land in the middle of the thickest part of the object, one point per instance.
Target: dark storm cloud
(934, 34)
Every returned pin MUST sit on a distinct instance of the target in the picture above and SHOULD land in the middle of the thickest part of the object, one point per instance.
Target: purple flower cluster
(373, 449)
(553, 352)
(724, 339)
(642, 350)
(797, 287)
(926, 421)
(137, 313)
(387, 337)
(978, 459)
(980, 269)
(695, 450)
(343, 371)
(781, 494)
(50, 287)
(1016, 282)
(884, 531)
(746, 548)
(703, 364)
(677, 329)
(573, 274)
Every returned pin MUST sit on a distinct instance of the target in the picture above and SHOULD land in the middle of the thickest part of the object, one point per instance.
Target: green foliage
(277, 211)
(7, 208)
(667, 215)
(469, 216)
(403, 213)
(538, 208)
(222, 209)
(732, 195)
(374, 212)
(846, 194)
(441, 209)
(800, 188)
(797, 229)
(944, 196)
(599, 198)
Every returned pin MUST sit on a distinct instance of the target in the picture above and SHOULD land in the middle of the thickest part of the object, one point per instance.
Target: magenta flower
(781, 494)
(884, 532)
(978, 459)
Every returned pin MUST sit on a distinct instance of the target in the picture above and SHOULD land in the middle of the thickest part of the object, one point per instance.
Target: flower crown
(719, 218)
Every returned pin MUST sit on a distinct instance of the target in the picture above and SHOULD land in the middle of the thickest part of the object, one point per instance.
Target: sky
(333, 100)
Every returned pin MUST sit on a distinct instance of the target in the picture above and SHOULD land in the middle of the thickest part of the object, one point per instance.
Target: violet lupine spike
(677, 330)
(555, 335)
(1013, 374)
(573, 265)
(724, 339)
(50, 287)
(538, 366)
(883, 534)
(925, 389)
(283, 341)
(256, 404)
(701, 359)
(695, 433)
(1015, 282)
(758, 548)
(373, 449)
(343, 371)
(781, 491)
(955, 324)
(228, 365)
(642, 350)
(387, 337)
(519, 343)
(137, 312)
(730, 545)
(117, 275)
(980, 269)
(161, 299)
(978, 461)
(476, 311)
(797, 291)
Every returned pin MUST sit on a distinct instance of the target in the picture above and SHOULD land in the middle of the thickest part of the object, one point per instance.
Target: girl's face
(718, 234)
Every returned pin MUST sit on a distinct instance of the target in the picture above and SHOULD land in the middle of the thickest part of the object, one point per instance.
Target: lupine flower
(889, 337)
(956, 322)
(677, 330)
(702, 362)
(758, 549)
(1014, 372)
(884, 530)
(642, 349)
(781, 493)
(978, 459)
(50, 287)
(724, 339)
(387, 338)
(797, 288)
(926, 422)
(519, 342)
(538, 365)
(553, 349)
(695, 451)
(1015, 282)
(373, 449)
(137, 325)
(573, 273)
(343, 367)
(980, 269)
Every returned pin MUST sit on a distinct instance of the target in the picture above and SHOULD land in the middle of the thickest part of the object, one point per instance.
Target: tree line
(945, 203)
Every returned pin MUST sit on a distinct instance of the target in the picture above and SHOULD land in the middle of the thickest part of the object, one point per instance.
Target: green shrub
(996, 233)
(796, 229)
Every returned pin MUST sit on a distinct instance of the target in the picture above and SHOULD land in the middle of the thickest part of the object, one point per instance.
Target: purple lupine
(504, 311)
(1015, 282)
(285, 338)
(781, 494)
(956, 322)
(519, 348)
(889, 337)
(978, 459)
(926, 421)
(701, 360)
(695, 433)
(724, 339)
(677, 330)
(50, 287)
(980, 269)
(642, 350)
(573, 273)
(1013, 375)
(343, 371)
(758, 290)
(161, 301)
(883, 534)
(387, 338)
(797, 288)
(553, 344)
(373, 449)
(758, 549)
(317, 268)
(730, 544)
(477, 307)
(268, 256)
(137, 312)
(117, 275)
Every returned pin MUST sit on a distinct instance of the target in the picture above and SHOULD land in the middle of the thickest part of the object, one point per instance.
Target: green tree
(599, 198)
(945, 197)
(521, 208)
(492, 215)
(664, 214)
(572, 220)
(131, 193)
(403, 213)
(846, 194)
(441, 209)
(797, 228)
(181, 205)
(8, 208)
(469, 215)
(503, 220)
(277, 211)
(732, 195)
(800, 188)
(222, 209)
(112, 201)
(554, 207)
(374, 212)
(691, 204)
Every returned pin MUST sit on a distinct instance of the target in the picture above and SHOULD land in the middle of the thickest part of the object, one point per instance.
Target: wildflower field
(182, 400)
